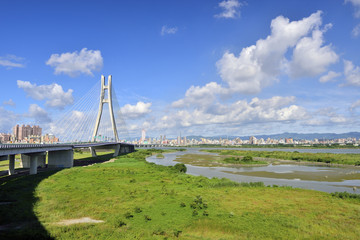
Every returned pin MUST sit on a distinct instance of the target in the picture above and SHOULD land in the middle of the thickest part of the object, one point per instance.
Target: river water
(321, 178)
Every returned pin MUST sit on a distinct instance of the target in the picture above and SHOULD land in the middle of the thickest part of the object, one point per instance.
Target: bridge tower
(105, 98)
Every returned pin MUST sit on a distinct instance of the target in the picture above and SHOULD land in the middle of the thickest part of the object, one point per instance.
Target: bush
(345, 195)
(138, 210)
(180, 167)
(128, 215)
(247, 159)
(177, 233)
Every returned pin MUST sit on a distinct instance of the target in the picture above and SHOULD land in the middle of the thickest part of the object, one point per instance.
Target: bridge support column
(26, 159)
(93, 151)
(11, 164)
(33, 165)
(117, 150)
(61, 159)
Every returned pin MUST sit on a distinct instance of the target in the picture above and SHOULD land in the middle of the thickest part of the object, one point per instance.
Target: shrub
(147, 217)
(182, 204)
(119, 223)
(177, 233)
(138, 210)
(247, 159)
(128, 215)
(180, 167)
(345, 195)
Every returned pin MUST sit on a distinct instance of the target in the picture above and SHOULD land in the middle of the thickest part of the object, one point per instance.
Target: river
(321, 178)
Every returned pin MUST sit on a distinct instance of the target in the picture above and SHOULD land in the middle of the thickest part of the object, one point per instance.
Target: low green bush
(180, 167)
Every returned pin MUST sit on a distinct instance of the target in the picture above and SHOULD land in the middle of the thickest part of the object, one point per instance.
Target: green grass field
(140, 200)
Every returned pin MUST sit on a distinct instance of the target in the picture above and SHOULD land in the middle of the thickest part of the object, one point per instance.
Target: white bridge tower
(101, 105)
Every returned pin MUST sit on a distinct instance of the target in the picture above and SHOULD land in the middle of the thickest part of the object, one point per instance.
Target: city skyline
(206, 68)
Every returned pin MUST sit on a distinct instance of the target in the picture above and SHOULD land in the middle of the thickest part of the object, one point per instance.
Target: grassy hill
(140, 200)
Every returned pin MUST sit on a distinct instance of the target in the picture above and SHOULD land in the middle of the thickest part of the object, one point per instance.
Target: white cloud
(136, 111)
(168, 30)
(259, 65)
(7, 120)
(338, 119)
(310, 58)
(231, 9)
(76, 63)
(356, 4)
(275, 109)
(53, 93)
(38, 114)
(196, 95)
(10, 102)
(352, 74)
(11, 61)
(355, 105)
(356, 30)
(329, 77)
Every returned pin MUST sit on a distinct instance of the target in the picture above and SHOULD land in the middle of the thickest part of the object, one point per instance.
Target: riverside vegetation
(140, 200)
(329, 158)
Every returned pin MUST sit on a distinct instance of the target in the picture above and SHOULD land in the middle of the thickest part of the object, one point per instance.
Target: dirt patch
(111, 160)
(78, 220)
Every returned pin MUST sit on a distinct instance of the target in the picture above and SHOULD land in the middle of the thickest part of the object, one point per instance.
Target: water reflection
(321, 178)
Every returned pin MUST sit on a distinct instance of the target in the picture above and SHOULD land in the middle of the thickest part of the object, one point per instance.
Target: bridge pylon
(108, 100)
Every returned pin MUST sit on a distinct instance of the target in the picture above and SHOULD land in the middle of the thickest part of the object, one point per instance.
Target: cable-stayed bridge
(96, 117)
(94, 122)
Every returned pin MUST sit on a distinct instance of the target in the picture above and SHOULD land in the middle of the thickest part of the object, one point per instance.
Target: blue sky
(197, 67)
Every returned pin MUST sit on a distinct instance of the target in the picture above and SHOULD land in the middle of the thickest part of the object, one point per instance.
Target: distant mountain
(307, 136)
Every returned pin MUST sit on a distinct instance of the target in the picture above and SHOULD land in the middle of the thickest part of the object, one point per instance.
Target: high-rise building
(22, 132)
(143, 135)
(252, 140)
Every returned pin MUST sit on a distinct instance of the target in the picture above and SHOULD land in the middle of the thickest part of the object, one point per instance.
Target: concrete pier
(93, 151)
(117, 150)
(26, 159)
(61, 159)
(33, 164)
(11, 164)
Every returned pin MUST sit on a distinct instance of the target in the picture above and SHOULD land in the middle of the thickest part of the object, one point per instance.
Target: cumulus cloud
(168, 30)
(38, 114)
(259, 65)
(275, 109)
(10, 102)
(53, 93)
(352, 74)
(136, 111)
(356, 4)
(7, 120)
(230, 9)
(197, 95)
(11, 61)
(330, 76)
(76, 63)
(310, 58)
